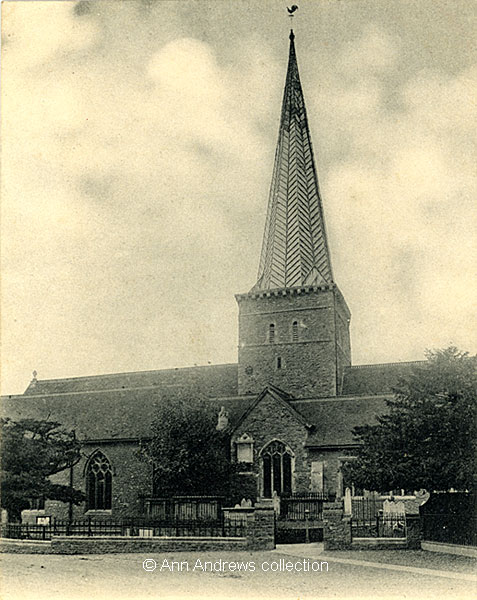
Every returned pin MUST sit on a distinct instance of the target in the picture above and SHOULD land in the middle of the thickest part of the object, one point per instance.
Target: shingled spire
(294, 250)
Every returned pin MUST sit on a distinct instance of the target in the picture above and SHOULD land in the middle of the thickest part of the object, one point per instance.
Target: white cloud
(121, 197)
(399, 204)
(375, 52)
(35, 34)
(135, 180)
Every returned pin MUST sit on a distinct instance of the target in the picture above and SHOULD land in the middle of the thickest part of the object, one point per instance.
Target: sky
(138, 141)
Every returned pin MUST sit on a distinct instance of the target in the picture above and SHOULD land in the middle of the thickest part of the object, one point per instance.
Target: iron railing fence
(379, 526)
(186, 508)
(449, 529)
(302, 506)
(366, 509)
(450, 517)
(128, 527)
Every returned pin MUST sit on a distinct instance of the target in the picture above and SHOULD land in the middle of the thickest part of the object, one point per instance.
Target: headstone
(347, 502)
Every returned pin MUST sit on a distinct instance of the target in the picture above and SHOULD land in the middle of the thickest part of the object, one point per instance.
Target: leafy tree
(188, 454)
(32, 451)
(429, 437)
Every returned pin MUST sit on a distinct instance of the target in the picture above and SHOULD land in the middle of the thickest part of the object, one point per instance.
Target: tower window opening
(271, 333)
(295, 331)
(279, 362)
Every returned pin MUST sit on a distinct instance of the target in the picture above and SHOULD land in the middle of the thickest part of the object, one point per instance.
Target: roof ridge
(404, 362)
(82, 377)
(103, 391)
(382, 395)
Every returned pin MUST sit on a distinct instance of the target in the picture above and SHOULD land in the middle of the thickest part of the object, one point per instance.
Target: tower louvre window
(295, 331)
(271, 333)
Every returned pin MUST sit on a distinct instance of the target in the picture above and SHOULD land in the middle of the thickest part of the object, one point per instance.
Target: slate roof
(127, 414)
(375, 379)
(334, 418)
(122, 405)
(109, 414)
(212, 380)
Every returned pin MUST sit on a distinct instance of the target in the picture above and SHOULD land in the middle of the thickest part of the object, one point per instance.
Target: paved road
(122, 577)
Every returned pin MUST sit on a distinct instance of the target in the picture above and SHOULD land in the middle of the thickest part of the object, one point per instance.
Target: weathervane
(291, 10)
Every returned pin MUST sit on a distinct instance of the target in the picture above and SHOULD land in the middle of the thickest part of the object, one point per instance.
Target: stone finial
(222, 419)
(34, 379)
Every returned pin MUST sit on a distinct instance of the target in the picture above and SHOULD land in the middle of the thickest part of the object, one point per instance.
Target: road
(122, 577)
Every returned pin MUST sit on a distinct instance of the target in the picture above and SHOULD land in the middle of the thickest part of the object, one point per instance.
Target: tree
(429, 437)
(33, 451)
(188, 454)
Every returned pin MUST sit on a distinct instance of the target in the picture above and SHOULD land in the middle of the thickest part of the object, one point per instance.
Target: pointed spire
(295, 249)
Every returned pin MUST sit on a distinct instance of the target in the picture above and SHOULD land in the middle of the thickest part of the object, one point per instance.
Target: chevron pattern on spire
(295, 249)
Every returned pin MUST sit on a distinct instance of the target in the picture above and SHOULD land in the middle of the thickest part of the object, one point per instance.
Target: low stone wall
(337, 532)
(379, 544)
(121, 545)
(25, 546)
(261, 528)
(454, 549)
(116, 545)
(259, 535)
(336, 527)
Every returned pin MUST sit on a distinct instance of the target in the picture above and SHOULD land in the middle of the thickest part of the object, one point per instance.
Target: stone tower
(294, 323)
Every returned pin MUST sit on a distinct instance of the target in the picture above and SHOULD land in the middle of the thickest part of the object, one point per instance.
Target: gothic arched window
(295, 331)
(276, 469)
(99, 480)
(271, 333)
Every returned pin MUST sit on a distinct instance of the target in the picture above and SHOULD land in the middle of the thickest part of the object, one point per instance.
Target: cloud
(375, 51)
(126, 190)
(35, 35)
(399, 201)
(136, 163)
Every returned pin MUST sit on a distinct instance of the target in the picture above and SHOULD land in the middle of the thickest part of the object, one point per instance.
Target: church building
(292, 399)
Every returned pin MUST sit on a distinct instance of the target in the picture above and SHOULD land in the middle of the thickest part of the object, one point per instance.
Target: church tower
(294, 323)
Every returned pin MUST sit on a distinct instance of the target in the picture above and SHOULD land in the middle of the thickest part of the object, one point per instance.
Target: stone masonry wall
(120, 545)
(70, 545)
(261, 528)
(336, 527)
(331, 465)
(131, 477)
(308, 366)
(259, 535)
(343, 343)
(271, 420)
(337, 532)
